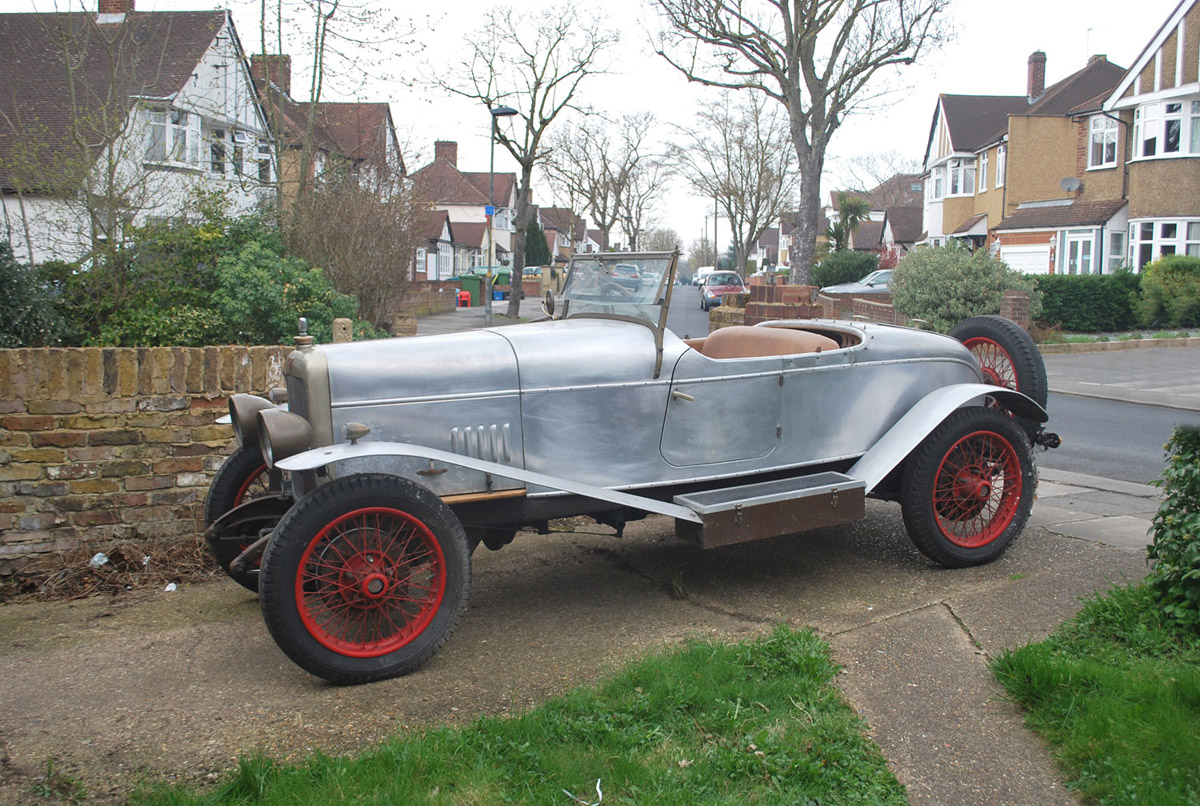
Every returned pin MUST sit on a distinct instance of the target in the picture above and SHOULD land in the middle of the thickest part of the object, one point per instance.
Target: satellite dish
(1070, 184)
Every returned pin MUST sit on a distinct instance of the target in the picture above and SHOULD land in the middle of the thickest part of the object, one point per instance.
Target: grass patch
(1116, 692)
(753, 722)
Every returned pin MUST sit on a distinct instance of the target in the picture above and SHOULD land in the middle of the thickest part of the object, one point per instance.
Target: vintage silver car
(354, 510)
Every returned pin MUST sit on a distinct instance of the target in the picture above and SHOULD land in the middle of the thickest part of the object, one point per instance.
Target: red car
(716, 285)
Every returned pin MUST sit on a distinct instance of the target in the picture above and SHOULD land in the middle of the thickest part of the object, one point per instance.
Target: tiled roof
(1052, 216)
(1081, 91)
(469, 233)
(445, 184)
(155, 54)
(905, 223)
(356, 130)
(561, 219)
(976, 120)
(769, 238)
(965, 227)
(866, 235)
(897, 191)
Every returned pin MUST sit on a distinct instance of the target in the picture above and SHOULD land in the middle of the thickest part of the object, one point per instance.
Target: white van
(702, 274)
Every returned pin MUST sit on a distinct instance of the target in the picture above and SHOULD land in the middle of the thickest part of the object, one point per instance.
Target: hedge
(1090, 303)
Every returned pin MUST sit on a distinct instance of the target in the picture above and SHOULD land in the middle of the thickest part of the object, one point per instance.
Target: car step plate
(771, 508)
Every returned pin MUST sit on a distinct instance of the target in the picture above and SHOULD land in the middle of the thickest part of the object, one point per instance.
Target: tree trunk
(804, 240)
(518, 253)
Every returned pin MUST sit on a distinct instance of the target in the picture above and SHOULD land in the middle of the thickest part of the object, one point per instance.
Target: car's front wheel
(365, 578)
(968, 488)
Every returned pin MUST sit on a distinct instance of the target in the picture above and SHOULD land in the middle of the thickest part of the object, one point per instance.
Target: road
(1109, 438)
(685, 319)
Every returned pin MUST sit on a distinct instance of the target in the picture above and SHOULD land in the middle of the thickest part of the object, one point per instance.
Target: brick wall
(111, 444)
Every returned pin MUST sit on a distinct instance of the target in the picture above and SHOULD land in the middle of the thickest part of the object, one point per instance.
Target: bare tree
(740, 155)
(701, 252)
(816, 57)
(535, 64)
(874, 169)
(607, 170)
(362, 231)
(660, 239)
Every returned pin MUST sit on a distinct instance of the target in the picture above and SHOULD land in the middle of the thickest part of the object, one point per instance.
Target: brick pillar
(276, 67)
(1014, 305)
(343, 330)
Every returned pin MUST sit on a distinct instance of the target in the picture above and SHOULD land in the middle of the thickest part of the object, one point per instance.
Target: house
(1028, 177)
(345, 139)
(435, 257)
(465, 196)
(901, 228)
(766, 248)
(566, 233)
(113, 119)
(1148, 130)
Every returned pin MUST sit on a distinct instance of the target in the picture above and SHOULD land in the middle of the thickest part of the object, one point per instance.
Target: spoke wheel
(968, 488)
(241, 478)
(365, 578)
(370, 582)
(1006, 354)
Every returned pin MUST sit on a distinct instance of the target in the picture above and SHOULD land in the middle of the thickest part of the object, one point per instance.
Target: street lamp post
(497, 112)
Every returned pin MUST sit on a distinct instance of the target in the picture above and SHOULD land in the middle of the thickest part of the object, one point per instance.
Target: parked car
(877, 282)
(716, 285)
(355, 510)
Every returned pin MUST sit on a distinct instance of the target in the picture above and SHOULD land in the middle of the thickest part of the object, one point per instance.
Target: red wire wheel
(1006, 355)
(370, 582)
(977, 489)
(994, 360)
(242, 477)
(968, 488)
(364, 578)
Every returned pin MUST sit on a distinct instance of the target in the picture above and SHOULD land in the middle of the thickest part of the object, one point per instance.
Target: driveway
(177, 685)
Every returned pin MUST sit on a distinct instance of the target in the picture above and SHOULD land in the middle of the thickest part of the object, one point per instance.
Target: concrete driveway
(178, 685)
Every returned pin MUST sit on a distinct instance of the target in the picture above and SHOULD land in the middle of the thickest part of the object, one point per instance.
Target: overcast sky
(988, 56)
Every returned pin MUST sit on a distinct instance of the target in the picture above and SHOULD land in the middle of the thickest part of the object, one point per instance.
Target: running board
(771, 508)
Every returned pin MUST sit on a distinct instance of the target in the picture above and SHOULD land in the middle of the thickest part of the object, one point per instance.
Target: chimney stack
(115, 6)
(273, 67)
(1097, 57)
(446, 150)
(1037, 75)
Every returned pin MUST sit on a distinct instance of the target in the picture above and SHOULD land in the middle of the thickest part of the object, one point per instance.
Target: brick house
(1153, 118)
(463, 195)
(356, 139)
(163, 102)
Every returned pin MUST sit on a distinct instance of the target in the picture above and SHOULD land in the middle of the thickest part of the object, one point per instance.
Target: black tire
(242, 477)
(1006, 354)
(349, 606)
(968, 488)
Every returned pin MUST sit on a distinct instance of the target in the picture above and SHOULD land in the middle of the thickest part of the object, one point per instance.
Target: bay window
(1150, 240)
(173, 135)
(1164, 129)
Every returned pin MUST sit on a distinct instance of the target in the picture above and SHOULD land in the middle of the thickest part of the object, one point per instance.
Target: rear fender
(921, 419)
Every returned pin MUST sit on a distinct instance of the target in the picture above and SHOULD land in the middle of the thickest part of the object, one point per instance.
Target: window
(264, 162)
(1167, 129)
(1145, 130)
(216, 158)
(1116, 251)
(1194, 123)
(1172, 127)
(983, 171)
(1001, 163)
(962, 177)
(939, 182)
(1102, 145)
(173, 136)
(1078, 252)
(1150, 240)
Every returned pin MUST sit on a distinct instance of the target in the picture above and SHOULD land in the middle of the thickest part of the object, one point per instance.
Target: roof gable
(1148, 53)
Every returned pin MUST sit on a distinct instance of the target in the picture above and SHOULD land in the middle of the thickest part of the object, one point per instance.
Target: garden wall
(104, 445)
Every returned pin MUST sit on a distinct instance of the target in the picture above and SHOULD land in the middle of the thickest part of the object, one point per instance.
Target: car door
(722, 410)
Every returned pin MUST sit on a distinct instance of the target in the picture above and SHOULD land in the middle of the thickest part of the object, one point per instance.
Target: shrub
(845, 266)
(1090, 303)
(261, 295)
(1176, 531)
(1171, 292)
(946, 284)
(27, 314)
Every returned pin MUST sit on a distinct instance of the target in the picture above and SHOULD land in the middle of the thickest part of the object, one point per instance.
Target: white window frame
(1116, 250)
(937, 182)
(1001, 164)
(1150, 239)
(961, 175)
(1168, 129)
(983, 172)
(172, 136)
(1102, 142)
(1086, 241)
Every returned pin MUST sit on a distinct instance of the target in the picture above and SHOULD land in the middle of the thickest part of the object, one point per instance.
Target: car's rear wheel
(1006, 354)
(242, 477)
(968, 488)
(365, 578)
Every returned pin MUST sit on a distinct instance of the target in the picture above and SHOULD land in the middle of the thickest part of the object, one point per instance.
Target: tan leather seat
(741, 341)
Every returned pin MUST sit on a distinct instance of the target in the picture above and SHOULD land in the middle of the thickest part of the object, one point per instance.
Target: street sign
(489, 210)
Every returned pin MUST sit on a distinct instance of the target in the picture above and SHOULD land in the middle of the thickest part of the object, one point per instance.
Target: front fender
(321, 457)
(900, 440)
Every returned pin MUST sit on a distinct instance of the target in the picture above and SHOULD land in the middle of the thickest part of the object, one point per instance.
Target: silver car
(354, 511)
